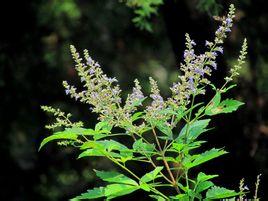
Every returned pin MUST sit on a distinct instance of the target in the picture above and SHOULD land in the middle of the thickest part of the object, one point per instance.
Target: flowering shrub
(165, 134)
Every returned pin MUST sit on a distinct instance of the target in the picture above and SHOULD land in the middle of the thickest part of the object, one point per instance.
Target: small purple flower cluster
(196, 67)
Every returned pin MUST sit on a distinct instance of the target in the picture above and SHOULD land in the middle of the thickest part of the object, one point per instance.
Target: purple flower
(94, 95)
(228, 21)
(188, 53)
(90, 61)
(228, 30)
(91, 71)
(191, 84)
(97, 65)
(219, 30)
(214, 54)
(82, 79)
(193, 43)
(214, 65)
(76, 97)
(115, 91)
(199, 71)
(220, 49)
(137, 94)
(156, 97)
(207, 43)
(67, 91)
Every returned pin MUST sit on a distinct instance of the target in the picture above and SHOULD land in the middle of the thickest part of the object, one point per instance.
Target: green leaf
(91, 194)
(145, 187)
(164, 128)
(228, 88)
(136, 116)
(110, 191)
(116, 190)
(143, 148)
(196, 160)
(138, 102)
(63, 135)
(178, 146)
(213, 103)
(115, 177)
(226, 106)
(216, 192)
(103, 126)
(181, 197)
(151, 175)
(230, 105)
(194, 130)
(109, 147)
(203, 186)
(204, 177)
(157, 197)
(80, 131)
(90, 152)
(184, 188)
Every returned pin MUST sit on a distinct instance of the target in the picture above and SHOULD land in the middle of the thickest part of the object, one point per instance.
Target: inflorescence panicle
(62, 119)
(174, 123)
(103, 93)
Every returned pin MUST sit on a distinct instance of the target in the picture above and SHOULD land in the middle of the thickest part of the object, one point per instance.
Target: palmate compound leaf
(196, 160)
(115, 177)
(194, 130)
(216, 193)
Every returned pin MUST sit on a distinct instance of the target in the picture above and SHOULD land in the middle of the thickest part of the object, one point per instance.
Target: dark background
(34, 59)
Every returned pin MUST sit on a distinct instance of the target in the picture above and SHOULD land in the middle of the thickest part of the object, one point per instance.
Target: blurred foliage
(34, 58)
(143, 10)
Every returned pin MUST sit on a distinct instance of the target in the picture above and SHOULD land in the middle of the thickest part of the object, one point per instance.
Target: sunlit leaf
(64, 135)
(91, 194)
(115, 177)
(151, 175)
(216, 193)
(204, 157)
(204, 177)
(116, 190)
(194, 130)
(144, 148)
